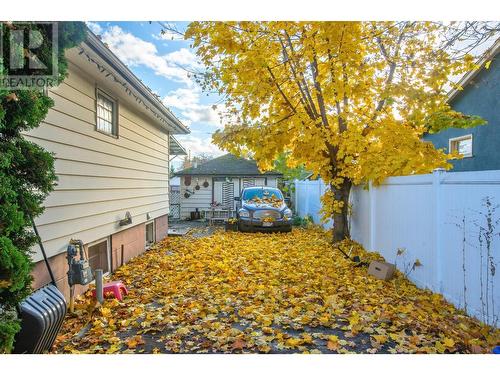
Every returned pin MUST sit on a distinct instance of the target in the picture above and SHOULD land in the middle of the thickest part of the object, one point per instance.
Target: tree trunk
(341, 220)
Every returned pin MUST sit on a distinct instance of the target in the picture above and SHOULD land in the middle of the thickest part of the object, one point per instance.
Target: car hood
(262, 206)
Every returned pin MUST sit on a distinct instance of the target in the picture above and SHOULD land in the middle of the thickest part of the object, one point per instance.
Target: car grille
(261, 214)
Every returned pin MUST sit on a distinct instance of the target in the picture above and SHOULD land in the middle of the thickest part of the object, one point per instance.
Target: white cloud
(184, 57)
(134, 51)
(199, 145)
(187, 101)
(168, 36)
(94, 27)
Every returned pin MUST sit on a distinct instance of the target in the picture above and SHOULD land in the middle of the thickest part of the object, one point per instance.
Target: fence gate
(175, 202)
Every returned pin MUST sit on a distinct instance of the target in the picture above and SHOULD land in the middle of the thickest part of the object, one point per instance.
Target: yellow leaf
(266, 321)
(448, 342)
(333, 342)
(354, 319)
(487, 65)
(267, 330)
(394, 336)
(293, 342)
(307, 338)
(105, 312)
(440, 347)
(264, 349)
(380, 338)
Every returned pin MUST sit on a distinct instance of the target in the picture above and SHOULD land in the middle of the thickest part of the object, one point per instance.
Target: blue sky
(163, 64)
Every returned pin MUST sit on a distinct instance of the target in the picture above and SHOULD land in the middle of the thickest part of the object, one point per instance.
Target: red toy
(113, 289)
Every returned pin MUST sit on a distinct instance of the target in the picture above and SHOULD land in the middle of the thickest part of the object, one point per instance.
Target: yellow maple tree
(349, 100)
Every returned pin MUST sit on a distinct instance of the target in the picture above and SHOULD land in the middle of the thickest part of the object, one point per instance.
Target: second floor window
(106, 114)
(462, 145)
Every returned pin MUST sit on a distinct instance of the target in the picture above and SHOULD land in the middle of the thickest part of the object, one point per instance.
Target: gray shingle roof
(226, 165)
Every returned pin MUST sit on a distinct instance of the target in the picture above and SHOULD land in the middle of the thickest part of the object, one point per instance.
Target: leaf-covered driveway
(268, 293)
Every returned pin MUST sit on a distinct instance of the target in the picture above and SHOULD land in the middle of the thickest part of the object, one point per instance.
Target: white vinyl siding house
(111, 156)
(226, 176)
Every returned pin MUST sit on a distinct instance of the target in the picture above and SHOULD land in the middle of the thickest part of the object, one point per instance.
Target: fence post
(295, 183)
(321, 190)
(437, 177)
(373, 210)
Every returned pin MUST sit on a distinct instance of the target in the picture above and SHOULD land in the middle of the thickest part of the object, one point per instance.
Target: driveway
(231, 292)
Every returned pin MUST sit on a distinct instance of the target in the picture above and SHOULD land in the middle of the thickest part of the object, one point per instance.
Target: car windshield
(262, 195)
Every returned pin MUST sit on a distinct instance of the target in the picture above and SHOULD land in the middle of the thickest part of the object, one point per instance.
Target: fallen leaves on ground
(268, 293)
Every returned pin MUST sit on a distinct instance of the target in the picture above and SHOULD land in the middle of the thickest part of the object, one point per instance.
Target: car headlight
(287, 213)
(244, 213)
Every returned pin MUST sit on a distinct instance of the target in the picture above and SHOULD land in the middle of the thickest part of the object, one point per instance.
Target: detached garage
(217, 182)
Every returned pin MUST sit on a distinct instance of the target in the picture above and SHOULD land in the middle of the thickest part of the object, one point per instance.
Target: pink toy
(114, 288)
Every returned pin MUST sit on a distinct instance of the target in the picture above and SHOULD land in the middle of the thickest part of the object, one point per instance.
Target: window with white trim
(106, 114)
(462, 145)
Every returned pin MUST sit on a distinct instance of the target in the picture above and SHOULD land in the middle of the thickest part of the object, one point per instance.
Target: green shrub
(305, 221)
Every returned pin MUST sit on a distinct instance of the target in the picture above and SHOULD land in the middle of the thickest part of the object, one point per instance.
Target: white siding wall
(201, 199)
(272, 182)
(100, 177)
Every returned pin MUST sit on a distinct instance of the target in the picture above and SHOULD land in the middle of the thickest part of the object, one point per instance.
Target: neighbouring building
(112, 139)
(218, 181)
(480, 95)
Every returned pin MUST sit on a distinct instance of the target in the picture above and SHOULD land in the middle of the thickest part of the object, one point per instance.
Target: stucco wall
(481, 97)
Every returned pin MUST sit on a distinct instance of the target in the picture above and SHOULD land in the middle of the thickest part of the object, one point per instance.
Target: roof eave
(464, 81)
(109, 57)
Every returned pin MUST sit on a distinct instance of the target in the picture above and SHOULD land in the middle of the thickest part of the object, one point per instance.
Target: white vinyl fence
(449, 221)
(307, 200)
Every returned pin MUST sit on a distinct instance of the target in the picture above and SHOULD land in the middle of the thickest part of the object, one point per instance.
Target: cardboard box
(381, 270)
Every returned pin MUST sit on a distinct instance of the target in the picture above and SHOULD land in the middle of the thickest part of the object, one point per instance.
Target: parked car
(263, 209)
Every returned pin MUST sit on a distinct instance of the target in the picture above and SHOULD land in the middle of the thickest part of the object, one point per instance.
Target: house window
(107, 108)
(248, 182)
(462, 145)
(150, 234)
(99, 255)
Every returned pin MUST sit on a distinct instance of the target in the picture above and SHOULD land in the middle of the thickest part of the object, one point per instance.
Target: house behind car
(218, 182)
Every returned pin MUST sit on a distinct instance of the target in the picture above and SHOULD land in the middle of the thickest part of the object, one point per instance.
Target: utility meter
(79, 271)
